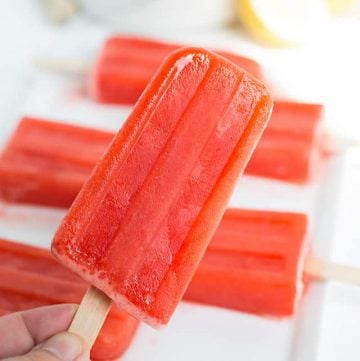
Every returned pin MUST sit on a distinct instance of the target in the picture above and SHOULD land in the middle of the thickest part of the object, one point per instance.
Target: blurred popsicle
(288, 152)
(30, 277)
(125, 66)
(293, 145)
(47, 162)
(259, 262)
(142, 221)
(254, 263)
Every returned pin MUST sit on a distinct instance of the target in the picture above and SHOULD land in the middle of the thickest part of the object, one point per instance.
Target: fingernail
(65, 346)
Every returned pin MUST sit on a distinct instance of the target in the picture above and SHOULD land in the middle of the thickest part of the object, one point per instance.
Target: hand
(39, 335)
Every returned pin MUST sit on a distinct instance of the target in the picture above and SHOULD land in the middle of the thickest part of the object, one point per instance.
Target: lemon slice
(337, 7)
(283, 22)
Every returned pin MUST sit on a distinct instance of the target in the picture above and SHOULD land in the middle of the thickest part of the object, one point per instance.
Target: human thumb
(64, 346)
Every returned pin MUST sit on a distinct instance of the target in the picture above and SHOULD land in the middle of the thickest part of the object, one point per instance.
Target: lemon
(337, 7)
(283, 22)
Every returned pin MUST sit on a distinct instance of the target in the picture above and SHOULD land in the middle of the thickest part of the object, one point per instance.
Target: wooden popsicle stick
(91, 315)
(60, 11)
(68, 67)
(329, 270)
(337, 144)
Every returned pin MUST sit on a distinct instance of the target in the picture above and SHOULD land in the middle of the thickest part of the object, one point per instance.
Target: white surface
(326, 327)
(341, 311)
(155, 15)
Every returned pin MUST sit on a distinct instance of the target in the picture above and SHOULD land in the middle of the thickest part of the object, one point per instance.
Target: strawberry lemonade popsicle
(126, 65)
(260, 262)
(254, 263)
(141, 224)
(47, 162)
(30, 277)
(293, 144)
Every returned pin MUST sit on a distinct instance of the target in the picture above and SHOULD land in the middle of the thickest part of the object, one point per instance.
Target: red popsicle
(126, 65)
(141, 223)
(259, 262)
(293, 144)
(47, 162)
(254, 263)
(30, 277)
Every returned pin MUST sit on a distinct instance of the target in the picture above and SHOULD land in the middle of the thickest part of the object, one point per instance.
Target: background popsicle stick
(329, 270)
(60, 11)
(91, 315)
(67, 67)
(338, 143)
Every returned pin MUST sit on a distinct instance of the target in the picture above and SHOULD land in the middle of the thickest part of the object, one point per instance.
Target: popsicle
(257, 262)
(293, 145)
(254, 263)
(47, 162)
(30, 277)
(126, 64)
(260, 262)
(142, 221)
